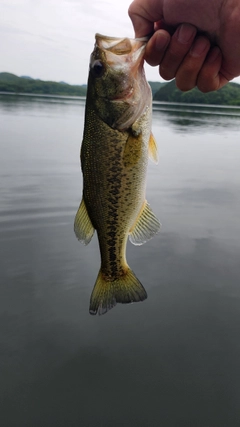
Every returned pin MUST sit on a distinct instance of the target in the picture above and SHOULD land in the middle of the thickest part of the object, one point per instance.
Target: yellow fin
(83, 227)
(145, 226)
(152, 149)
(132, 150)
(107, 293)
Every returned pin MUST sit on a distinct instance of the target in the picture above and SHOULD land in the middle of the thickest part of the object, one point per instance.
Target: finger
(179, 46)
(187, 73)
(210, 76)
(161, 25)
(156, 47)
(143, 18)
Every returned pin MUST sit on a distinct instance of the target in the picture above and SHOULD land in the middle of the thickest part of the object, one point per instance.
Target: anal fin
(83, 227)
(145, 226)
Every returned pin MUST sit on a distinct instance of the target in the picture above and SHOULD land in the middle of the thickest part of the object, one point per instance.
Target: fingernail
(161, 41)
(185, 33)
(199, 47)
(213, 54)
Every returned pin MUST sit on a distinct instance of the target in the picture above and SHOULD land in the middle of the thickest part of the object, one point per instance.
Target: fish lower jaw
(123, 97)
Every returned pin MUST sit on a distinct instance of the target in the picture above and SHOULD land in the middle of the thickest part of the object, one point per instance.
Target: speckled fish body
(117, 142)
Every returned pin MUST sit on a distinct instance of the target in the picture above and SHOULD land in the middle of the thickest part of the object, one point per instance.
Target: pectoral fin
(145, 226)
(152, 149)
(133, 150)
(83, 227)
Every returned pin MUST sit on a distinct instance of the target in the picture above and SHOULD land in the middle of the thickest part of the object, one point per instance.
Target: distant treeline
(14, 84)
(228, 95)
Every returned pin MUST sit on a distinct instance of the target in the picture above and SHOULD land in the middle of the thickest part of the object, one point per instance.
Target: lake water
(171, 361)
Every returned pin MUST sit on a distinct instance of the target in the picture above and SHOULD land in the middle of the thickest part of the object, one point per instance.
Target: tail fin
(106, 294)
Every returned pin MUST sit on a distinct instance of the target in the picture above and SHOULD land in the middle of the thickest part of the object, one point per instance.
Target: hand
(184, 51)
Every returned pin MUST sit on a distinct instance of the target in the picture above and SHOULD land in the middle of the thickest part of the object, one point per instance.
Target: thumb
(143, 14)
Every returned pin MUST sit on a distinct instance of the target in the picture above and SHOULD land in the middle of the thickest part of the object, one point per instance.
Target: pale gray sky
(53, 39)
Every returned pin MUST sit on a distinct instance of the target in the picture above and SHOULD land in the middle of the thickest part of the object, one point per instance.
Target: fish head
(117, 86)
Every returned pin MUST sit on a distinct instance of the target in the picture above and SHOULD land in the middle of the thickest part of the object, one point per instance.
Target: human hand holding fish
(117, 142)
(197, 42)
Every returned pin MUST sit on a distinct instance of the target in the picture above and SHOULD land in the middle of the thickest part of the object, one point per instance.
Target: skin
(197, 42)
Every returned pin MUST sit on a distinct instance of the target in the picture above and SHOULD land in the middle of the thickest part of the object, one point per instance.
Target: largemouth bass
(117, 142)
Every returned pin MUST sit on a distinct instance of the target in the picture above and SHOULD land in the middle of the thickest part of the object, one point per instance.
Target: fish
(117, 141)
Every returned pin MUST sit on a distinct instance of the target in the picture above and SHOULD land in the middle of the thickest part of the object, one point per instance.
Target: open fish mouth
(119, 46)
(120, 51)
(123, 55)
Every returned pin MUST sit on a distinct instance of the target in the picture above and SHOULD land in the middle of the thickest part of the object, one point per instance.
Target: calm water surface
(172, 361)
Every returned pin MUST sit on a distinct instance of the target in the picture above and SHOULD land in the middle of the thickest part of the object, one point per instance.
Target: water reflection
(193, 116)
(172, 361)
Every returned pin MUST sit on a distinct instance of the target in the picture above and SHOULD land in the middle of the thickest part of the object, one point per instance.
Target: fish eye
(97, 68)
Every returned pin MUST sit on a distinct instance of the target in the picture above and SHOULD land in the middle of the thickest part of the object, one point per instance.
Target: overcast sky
(53, 39)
